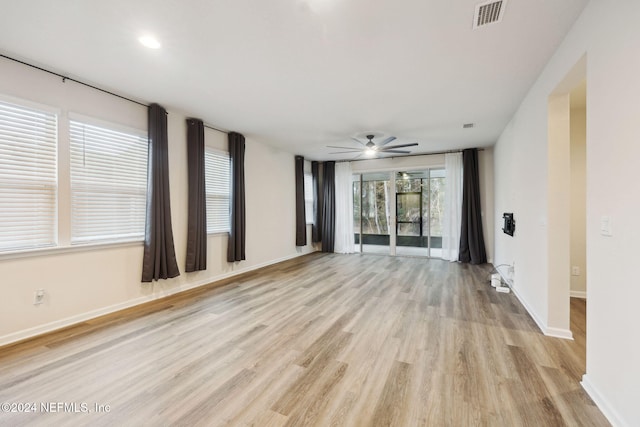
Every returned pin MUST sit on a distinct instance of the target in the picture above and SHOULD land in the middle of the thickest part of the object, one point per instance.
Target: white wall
(558, 215)
(579, 200)
(83, 283)
(398, 163)
(609, 35)
(486, 171)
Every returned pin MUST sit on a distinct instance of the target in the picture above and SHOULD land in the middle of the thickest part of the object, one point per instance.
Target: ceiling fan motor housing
(370, 143)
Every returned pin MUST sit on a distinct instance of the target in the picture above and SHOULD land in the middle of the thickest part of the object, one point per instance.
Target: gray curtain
(197, 198)
(159, 261)
(236, 247)
(316, 228)
(472, 249)
(301, 223)
(328, 206)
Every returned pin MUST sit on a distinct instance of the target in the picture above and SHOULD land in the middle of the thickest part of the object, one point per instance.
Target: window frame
(38, 108)
(308, 199)
(62, 224)
(142, 137)
(209, 150)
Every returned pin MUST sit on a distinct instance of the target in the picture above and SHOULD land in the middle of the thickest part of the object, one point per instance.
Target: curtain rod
(65, 78)
(219, 130)
(435, 153)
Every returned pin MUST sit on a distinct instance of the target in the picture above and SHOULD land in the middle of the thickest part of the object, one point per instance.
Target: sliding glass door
(437, 189)
(412, 207)
(400, 212)
(372, 212)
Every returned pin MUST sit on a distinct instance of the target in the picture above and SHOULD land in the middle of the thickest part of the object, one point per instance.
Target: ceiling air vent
(489, 12)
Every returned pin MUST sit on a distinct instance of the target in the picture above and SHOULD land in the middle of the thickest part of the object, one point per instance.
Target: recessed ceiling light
(150, 42)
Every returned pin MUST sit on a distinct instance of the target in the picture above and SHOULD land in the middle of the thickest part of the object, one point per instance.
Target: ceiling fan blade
(357, 140)
(345, 148)
(398, 146)
(386, 141)
(347, 152)
(394, 151)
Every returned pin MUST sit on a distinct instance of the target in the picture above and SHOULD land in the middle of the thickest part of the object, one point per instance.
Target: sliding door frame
(393, 215)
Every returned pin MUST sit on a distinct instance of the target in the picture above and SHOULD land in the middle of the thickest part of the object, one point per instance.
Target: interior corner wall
(558, 214)
(486, 170)
(82, 283)
(578, 201)
(609, 38)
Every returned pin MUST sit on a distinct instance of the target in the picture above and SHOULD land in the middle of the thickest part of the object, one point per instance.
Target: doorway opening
(566, 199)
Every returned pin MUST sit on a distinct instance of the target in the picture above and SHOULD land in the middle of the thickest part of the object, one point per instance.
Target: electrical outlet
(38, 297)
(575, 270)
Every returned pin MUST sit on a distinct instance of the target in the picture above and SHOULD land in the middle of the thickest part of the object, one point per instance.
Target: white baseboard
(546, 330)
(531, 312)
(578, 294)
(602, 403)
(559, 333)
(69, 321)
(63, 323)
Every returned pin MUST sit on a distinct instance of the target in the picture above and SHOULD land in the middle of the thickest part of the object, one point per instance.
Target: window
(217, 173)
(308, 198)
(28, 177)
(108, 183)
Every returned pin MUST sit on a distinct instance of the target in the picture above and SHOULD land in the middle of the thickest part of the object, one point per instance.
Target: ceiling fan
(370, 148)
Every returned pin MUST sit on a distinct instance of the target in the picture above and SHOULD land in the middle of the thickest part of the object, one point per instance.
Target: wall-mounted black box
(509, 224)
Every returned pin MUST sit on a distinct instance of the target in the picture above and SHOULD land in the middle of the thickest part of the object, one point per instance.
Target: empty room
(319, 213)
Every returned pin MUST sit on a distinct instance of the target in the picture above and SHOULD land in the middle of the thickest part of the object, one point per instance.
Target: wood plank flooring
(321, 340)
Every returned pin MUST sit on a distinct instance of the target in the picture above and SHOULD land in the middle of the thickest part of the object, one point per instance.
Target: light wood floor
(326, 340)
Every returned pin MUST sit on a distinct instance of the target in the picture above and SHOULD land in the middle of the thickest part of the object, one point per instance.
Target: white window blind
(28, 177)
(308, 198)
(217, 183)
(108, 184)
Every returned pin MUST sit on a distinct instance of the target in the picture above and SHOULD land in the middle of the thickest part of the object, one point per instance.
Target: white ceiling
(303, 74)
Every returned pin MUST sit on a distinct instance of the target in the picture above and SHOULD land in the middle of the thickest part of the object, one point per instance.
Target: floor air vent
(489, 12)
